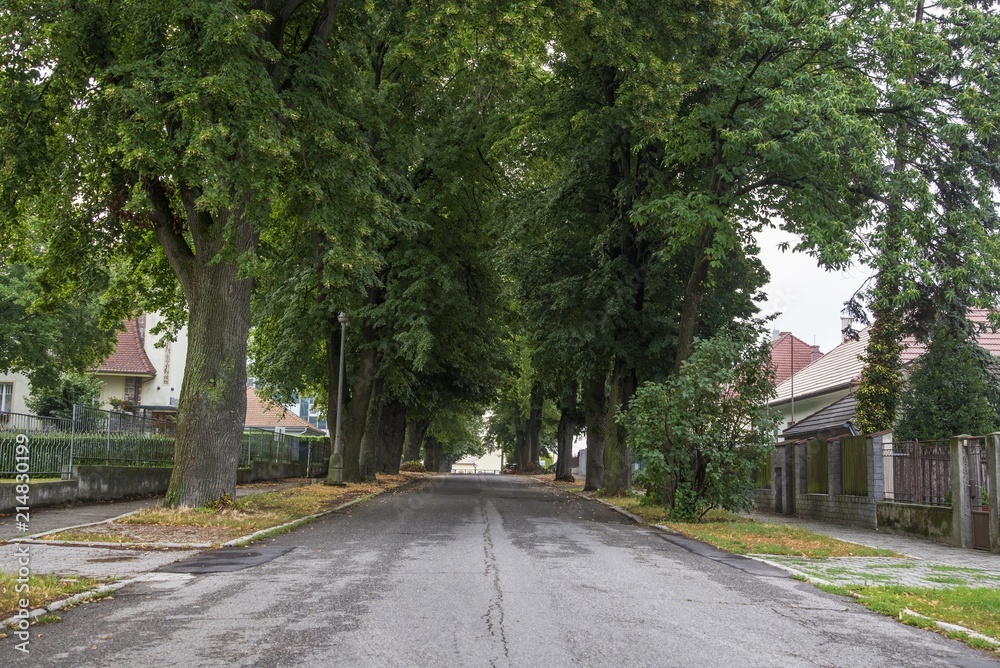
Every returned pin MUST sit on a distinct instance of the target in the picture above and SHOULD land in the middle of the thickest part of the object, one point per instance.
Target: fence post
(72, 442)
(875, 450)
(992, 479)
(961, 508)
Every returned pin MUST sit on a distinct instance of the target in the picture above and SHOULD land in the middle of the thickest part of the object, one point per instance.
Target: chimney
(815, 353)
(845, 328)
(775, 334)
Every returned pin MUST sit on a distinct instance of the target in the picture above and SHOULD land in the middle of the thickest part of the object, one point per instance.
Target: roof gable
(129, 357)
(263, 414)
(790, 354)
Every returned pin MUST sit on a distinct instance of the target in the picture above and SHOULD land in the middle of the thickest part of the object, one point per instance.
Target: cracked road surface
(481, 571)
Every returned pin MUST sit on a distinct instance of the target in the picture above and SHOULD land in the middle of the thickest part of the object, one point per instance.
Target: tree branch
(168, 232)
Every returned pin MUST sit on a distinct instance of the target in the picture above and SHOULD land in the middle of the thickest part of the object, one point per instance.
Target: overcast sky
(808, 298)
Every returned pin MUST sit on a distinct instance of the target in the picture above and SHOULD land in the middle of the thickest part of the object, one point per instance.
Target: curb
(37, 536)
(947, 626)
(15, 621)
(583, 495)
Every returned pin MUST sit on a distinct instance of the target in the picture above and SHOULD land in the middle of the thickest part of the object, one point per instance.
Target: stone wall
(914, 519)
(42, 493)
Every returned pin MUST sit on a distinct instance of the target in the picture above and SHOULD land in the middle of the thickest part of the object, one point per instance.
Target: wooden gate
(979, 494)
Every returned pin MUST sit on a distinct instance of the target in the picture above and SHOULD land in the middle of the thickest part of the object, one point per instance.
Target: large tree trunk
(213, 403)
(567, 429)
(212, 409)
(415, 432)
(536, 401)
(522, 450)
(392, 434)
(617, 458)
(368, 457)
(595, 411)
(432, 454)
(356, 417)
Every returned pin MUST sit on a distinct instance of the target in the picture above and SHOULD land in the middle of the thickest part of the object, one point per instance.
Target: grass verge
(749, 537)
(42, 589)
(976, 608)
(740, 535)
(247, 515)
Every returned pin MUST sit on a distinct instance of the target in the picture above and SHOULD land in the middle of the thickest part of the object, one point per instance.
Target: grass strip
(748, 537)
(245, 516)
(42, 589)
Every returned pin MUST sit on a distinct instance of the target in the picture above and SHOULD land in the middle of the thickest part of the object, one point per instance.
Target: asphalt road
(480, 571)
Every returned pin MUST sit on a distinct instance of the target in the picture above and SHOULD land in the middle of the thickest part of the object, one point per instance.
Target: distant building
(790, 354)
(275, 417)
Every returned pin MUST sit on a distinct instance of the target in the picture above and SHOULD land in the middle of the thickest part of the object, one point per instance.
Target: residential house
(819, 401)
(144, 369)
(274, 417)
(790, 354)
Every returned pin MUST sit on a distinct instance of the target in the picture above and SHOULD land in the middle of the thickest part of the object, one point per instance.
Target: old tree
(162, 139)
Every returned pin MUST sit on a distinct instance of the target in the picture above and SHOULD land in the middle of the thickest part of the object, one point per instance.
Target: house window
(133, 390)
(6, 397)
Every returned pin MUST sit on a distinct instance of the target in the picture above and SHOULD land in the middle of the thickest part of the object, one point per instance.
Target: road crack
(494, 616)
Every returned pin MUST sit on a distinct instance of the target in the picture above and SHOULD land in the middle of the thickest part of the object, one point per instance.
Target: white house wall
(22, 389)
(112, 387)
(168, 361)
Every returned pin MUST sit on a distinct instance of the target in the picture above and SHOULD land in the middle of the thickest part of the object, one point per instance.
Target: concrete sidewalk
(930, 565)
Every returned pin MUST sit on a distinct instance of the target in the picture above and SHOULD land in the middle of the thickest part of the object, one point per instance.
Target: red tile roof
(841, 367)
(788, 351)
(268, 416)
(129, 357)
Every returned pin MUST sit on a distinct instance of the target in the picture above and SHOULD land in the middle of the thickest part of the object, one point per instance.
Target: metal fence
(119, 439)
(918, 472)
(854, 466)
(98, 437)
(48, 456)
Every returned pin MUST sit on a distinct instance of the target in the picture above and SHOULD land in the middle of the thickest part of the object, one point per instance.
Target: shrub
(413, 466)
(700, 436)
(58, 400)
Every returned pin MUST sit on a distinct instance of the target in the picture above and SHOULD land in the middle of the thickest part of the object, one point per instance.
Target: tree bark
(617, 458)
(415, 432)
(567, 429)
(368, 457)
(595, 411)
(392, 434)
(522, 451)
(432, 454)
(212, 408)
(356, 417)
(536, 400)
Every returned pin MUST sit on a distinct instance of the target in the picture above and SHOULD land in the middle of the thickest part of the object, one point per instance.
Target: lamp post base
(335, 477)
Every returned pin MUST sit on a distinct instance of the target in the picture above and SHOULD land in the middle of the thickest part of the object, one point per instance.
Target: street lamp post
(336, 473)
